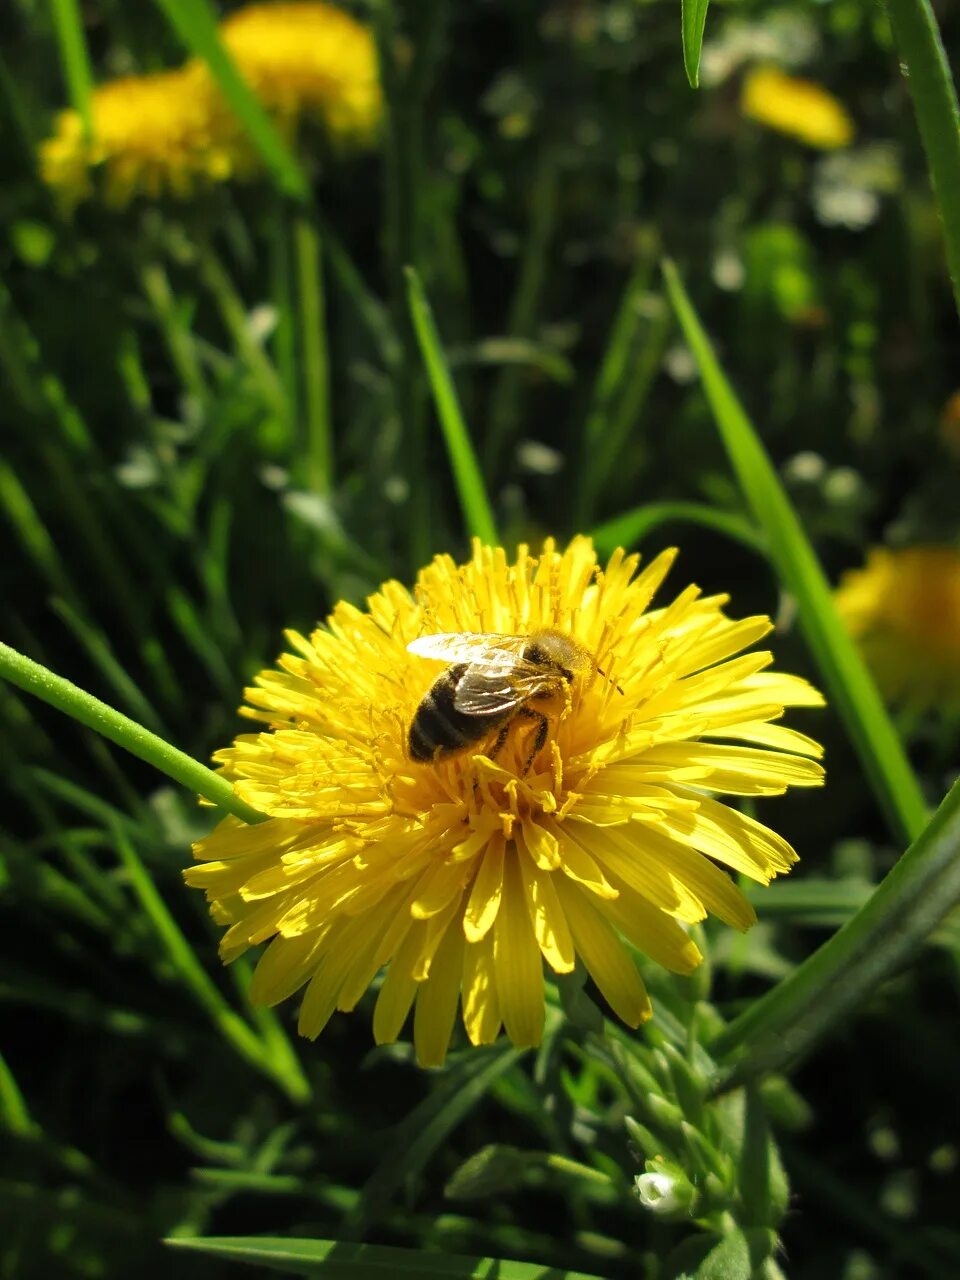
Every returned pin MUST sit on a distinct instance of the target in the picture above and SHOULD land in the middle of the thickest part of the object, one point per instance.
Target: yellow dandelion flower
(903, 608)
(153, 135)
(800, 108)
(459, 875)
(309, 59)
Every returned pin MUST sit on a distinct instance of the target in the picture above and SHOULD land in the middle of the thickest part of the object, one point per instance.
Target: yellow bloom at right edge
(903, 609)
(800, 108)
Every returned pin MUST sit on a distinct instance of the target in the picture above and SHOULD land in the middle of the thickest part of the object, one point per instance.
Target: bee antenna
(601, 672)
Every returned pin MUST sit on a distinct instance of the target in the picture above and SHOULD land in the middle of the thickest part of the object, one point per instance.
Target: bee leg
(501, 739)
(540, 737)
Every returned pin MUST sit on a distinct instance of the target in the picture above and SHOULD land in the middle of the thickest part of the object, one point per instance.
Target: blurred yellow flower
(797, 107)
(153, 135)
(460, 875)
(903, 608)
(172, 133)
(306, 59)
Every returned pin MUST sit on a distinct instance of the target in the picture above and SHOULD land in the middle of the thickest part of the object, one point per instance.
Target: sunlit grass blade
(849, 684)
(75, 58)
(693, 17)
(14, 1114)
(195, 978)
(466, 470)
(633, 526)
(934, 94)
(784, 1025)
(53, 689)
(195, 24)
(337, 1260)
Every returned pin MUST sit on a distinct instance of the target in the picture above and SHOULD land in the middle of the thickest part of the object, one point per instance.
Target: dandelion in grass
(457, 859)
(800, 108)
(903, 608)
(309, 60)
(153, 135)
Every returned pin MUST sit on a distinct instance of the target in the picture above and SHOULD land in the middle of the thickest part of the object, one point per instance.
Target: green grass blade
(884, 935)
(337, 1260)
(848, 681)
(466, 470)
(53, 689)
(426, 1127)
(693, 17)
(313, 353)
(191, 972)
(195, 24)
(75, 57)
(633, 526)
(938, 115)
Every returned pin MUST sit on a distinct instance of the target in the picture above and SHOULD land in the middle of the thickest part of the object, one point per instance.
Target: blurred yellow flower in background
(903, 608)
(461, 875)
(309, 60)
(800, 108)
(154, 135)
(172, 133)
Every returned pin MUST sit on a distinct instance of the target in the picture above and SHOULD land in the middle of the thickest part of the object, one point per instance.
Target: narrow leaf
(848, 681)
(832, 984)
(336, 1260)
(633, 526)
(466, 470)
(75, 57)
(693, 17)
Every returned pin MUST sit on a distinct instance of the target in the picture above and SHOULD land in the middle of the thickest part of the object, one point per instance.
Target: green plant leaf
(75, 57)
(195, 24)
(336, 1260)
(53, 689)
(466, 470)
(885, 934)
(848, 681)
(693, 17)
(934, 94)
(631, 527)
(421, 1132)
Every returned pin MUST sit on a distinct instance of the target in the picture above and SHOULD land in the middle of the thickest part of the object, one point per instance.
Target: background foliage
(217, 422)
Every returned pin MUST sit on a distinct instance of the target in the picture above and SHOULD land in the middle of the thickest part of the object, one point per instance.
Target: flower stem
(90, 711)
(938, 116)
(316, 366)
(885, 934)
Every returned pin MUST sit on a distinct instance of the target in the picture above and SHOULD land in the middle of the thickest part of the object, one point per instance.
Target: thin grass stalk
(477, 512)
(179, 341)
(284, 302)
(314, 352)
(75, 58)
(234, 1029)
(236, 319)
(120, 729)
(934, 96)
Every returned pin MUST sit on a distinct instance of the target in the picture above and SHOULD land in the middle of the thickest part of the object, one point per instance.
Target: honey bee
(493, 681)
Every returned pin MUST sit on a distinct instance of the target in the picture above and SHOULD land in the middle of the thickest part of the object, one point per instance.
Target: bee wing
(481, 692)
(491, 651)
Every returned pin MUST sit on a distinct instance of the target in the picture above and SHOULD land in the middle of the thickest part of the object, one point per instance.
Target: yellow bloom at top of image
(455, 814)
(171, 133)
(152, 135)
(800, 108)
(309, 59)
(903, 608)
